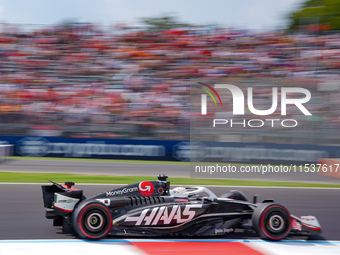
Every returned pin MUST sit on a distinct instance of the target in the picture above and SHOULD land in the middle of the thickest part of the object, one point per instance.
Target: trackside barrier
(64, 147)
(6, 150)
(165, 150)
(329, 167)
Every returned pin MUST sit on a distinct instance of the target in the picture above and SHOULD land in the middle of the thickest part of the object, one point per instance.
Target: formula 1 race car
(151, 208)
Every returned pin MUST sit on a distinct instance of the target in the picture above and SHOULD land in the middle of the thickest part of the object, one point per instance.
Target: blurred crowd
(86, 81)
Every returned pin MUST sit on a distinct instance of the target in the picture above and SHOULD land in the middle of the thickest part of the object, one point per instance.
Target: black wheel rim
(95, 221)
(276, 223)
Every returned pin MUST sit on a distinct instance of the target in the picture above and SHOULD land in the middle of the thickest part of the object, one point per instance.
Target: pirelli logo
(164, 215)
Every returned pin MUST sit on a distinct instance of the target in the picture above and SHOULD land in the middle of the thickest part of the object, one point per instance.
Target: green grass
(15, 177)
(134, 161)
(106, 160)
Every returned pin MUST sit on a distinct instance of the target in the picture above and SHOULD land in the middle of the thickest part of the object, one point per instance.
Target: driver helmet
(179, 192)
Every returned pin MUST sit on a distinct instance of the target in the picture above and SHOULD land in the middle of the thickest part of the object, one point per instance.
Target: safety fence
(165, 150)
(6, 150)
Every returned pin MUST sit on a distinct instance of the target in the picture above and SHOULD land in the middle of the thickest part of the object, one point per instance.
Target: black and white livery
(151, 208)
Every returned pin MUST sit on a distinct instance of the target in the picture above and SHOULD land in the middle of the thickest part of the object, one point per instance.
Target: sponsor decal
(181, 151)
(33, 147)
(104, 201)
(223, 230)
(40, 147)
(218, 151)
(182, 200)
(164, 215)
(310, 222)
(296, 225)
(146, 188)
(308, 218)
(65, 203)
(121, 191)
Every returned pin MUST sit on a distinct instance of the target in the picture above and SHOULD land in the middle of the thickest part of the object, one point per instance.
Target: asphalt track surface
(93, 167)
(22, 211)
(147, 169)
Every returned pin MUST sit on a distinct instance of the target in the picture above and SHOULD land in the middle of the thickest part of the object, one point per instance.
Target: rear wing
(66, 189)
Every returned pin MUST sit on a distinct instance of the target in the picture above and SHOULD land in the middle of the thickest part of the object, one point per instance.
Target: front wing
(305, 225)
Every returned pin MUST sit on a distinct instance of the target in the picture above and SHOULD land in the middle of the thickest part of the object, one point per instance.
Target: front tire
(271, 221)
(92, 220)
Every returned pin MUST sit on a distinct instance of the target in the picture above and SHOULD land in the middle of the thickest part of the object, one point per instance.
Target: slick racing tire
(92, 220)
(271, 221)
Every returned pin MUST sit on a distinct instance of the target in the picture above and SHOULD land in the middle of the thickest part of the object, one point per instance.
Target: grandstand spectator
(94, 83)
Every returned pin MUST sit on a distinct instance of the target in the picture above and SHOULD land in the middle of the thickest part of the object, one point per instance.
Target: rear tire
(92, 220)
(271, 221)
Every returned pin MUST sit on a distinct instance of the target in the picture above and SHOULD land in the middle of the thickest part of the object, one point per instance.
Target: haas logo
(146, 188)
(165, 215)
